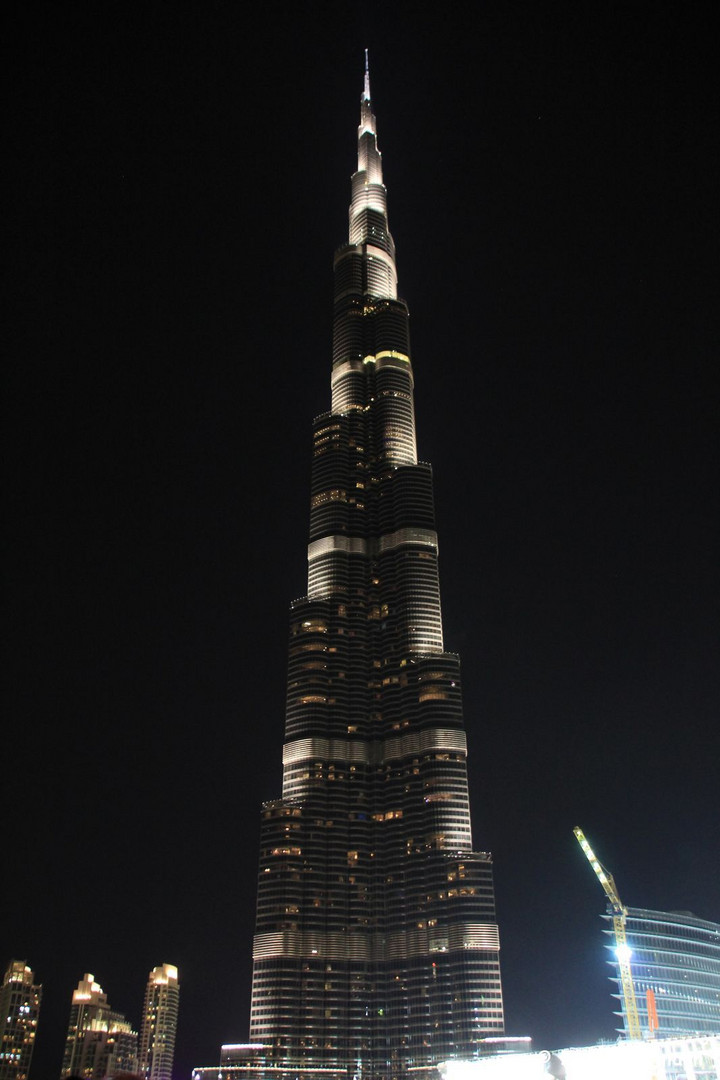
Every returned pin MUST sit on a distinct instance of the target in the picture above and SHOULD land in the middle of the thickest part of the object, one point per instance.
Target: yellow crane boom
(619, 914)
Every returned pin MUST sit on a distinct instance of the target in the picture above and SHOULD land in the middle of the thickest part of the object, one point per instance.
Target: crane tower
(619, 913)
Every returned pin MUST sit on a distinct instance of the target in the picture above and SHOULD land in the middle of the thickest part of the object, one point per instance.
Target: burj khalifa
(376, 949)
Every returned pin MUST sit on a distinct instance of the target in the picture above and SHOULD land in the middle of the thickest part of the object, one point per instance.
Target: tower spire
(369, 157)
(366, 86)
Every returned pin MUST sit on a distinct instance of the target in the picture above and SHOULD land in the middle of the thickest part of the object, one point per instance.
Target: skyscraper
(19, 1013)
(376, 949)
(99, 1040)
(159, 1023)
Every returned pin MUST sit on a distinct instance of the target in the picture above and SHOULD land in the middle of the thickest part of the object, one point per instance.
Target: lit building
(100, 1041)
(19, 1014)
(159, 1023)
(238, 1055)
(657, 1059)
(238, 1061)
(675, 964)
(376, 948)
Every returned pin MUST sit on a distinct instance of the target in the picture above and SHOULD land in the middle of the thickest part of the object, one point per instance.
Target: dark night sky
(179, 183)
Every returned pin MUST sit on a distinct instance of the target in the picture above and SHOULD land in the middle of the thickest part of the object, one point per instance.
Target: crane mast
(619, 914)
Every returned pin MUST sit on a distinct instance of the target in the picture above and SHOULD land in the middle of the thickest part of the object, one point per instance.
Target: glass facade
(675, 961)
(376, 949)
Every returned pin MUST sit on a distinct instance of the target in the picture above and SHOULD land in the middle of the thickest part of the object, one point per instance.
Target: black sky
(180, 180)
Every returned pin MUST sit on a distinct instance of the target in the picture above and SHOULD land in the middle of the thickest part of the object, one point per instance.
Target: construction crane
(622, 951)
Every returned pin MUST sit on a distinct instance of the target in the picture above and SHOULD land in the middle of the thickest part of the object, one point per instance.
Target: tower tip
(366, 85)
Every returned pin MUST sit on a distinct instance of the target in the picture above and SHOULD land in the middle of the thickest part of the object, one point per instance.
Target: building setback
(376, 949)
(675, 963)
(100, 1041)
(19, 1014)
(159, 1023)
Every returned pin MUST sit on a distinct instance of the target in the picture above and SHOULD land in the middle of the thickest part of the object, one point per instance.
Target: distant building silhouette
(19, 1012)
(100, 1041)
(159, 1023)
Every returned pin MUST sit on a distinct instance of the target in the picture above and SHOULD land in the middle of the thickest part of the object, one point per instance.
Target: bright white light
(623, 953)
(631, 1060)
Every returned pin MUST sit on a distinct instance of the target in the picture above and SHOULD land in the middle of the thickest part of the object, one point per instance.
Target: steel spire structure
(376, 949)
